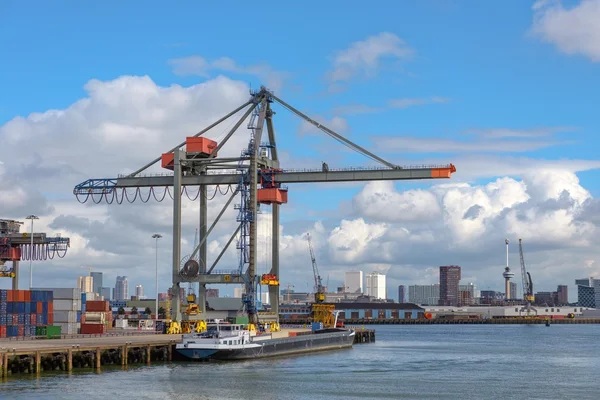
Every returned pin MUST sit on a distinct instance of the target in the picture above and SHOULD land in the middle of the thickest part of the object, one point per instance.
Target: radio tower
(507, 275)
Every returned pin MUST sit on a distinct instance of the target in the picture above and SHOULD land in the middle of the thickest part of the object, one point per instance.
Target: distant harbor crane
(319, 289)
(527, 284)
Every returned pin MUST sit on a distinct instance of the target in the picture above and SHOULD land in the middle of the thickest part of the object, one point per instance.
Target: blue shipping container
(44, 308)
(9, 308)
(27, 308)
(2, 320)
(78, 316)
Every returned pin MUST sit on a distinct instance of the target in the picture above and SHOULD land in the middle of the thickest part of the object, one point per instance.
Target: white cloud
(336, 124)
(365, 56)
(402, 144)
(573, 30)
(499, 133)
(416, 101)
(197, 65)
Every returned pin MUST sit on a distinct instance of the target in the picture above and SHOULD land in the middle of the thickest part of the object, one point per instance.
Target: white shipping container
(121, 323)
(64, 293)
(67, 305)
(68, 329)
(65, 316)
(99, 317)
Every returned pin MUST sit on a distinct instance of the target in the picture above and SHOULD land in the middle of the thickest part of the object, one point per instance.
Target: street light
(31, 217)
(156, 236)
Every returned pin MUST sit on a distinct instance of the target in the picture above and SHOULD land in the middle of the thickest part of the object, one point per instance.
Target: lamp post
(31, 217)
(156, 236)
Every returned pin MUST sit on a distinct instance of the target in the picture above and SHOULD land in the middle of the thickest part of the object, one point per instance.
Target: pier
(35, 356)
(472, 321)
(364, 336)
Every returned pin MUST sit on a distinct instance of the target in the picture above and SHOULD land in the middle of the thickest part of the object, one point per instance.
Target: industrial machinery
(527, 284)
(255, 177)
(319, 289)
(16, 246)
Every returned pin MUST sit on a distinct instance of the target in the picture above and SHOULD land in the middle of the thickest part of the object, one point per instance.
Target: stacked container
(97, 317)
(67, 309)
(21, 311)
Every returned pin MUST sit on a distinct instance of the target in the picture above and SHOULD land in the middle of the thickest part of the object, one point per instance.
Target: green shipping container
(241, 320)
(53, 332)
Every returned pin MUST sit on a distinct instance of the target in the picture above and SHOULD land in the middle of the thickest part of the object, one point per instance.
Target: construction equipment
(319, 289)
(255, 176)
(16, 246)
(527, 284)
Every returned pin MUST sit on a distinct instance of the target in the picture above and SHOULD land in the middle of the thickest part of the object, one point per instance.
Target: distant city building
(449, 285)
(424, 294)
(85, 284)
(468, 294)
(596, 287)
(121, 289)
(238, 292)
(212, 293)
(139, 291)
(562, 293)
(376, 286)
(181, 294)
(513, 291)
(401, 294)
(106, 293)
(353, 281)
(586, 293)
(544, 298)
(97, 282)
(163, 296)
(586, 296)
(264, 297)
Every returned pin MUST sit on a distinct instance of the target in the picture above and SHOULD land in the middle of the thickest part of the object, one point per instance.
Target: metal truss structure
(255, 177)
(16, 246)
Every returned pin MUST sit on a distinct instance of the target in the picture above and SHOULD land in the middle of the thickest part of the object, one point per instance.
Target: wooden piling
(98, 357)
(148, 355)
(70, 360)
(38, 362)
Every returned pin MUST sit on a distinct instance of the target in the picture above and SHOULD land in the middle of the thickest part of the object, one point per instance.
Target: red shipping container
(39, 307)
(21, 331)
(50, 318)
(87, 329)
(97, 306)
(33, 319)
(83, 318)
(10, 295)
(2, 331)
(27, 294)
(50, 307)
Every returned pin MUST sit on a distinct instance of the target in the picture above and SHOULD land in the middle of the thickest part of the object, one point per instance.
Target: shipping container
(87, 329)
(68, 328)
(95, 317)
(97, 306)
(67, 305)
(64, 293)
(65, 316)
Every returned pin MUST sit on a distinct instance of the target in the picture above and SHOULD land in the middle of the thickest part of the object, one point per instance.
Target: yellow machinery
(269, 279)
(323, 313)
(319, 288)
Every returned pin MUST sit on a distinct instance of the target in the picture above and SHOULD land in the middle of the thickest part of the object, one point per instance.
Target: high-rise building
(376, 285)
(586, 296)
(586, 292)
(353, 281)
(513, 291)
(562, 295)
(427, 295)
(596, 287)
(97, 276)
(85, 284)
(449, 282)
(401, 294)
(467, 294)
(238, 292)
(106, 293)
(139, 291)
(121, 289)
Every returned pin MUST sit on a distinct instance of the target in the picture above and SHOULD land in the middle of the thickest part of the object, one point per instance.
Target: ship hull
(276, 347)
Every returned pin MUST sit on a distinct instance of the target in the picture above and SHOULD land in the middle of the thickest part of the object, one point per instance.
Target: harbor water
(406, 362)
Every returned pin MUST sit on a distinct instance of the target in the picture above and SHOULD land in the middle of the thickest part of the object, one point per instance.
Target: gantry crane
(527, 283)
(256, 177)
(16, 246)
(319, 289)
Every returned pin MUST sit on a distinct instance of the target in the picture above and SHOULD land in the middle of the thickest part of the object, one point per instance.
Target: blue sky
(477, 55)
(468, 70)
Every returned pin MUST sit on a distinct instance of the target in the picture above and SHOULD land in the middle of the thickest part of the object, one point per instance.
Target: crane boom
(527, 282)
(319, 289)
